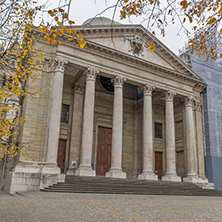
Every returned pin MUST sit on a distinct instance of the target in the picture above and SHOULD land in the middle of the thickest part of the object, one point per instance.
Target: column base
(50, 168)
(116, 173)
(192, 178)
(204, 184)
(50, 175)
(147, 176)
(85, 171)
(171, 178)
(200, 182)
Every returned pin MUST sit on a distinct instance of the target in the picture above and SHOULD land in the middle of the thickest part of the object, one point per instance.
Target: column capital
(189, 101)
(170, 95)
(91, 74)
(148, 89)
(118, 81)
(60, 64)
(78, 88)
(197, 105)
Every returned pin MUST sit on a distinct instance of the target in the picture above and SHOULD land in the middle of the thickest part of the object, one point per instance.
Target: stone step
(74, 184)
(133, 192)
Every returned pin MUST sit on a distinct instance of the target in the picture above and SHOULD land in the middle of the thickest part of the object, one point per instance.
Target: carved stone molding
(60, 64)
(91, 74)
(118, 81)
(197, 106)
(79, 88)
(169, 95)
(189, 101)
(148, 89)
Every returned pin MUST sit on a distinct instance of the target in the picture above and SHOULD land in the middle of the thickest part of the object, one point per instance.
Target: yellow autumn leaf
(211, 20)
(184, 4)
(220, 10)
(151, 47)
(82, 43)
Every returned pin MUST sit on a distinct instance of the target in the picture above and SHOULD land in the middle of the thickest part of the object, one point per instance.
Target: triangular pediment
(134, 41)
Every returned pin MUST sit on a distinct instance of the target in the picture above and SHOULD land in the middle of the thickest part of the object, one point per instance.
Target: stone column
(171, 174)
(136, 138)
(148, 152)
(117, 131)
(199, 139)
(76, 133)
(190, 143)
(55, 116)
(85, 168)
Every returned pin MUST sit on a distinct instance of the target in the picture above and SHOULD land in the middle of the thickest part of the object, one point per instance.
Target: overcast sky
(82, 10)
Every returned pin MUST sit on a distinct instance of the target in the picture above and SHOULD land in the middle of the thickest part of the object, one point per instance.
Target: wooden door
(159, 164)
(61, 157)
(104, 150)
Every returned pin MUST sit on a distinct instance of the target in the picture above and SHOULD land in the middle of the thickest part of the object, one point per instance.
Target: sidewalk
(65, 207)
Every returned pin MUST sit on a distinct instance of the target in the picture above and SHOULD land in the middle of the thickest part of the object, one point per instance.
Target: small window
(106, 83)
(158, 130)
(65, 113)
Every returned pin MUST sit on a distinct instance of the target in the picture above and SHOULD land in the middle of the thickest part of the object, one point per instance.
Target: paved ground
(64, 207)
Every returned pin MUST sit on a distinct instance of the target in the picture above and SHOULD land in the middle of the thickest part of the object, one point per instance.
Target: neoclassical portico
(115, 110)
(148, 172)
(148, 149)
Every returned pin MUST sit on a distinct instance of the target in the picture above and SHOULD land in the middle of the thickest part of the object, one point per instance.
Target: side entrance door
(104, 150)
(159, 164)
(61, 156)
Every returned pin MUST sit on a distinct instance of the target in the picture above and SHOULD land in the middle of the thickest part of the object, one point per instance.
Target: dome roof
(99, 21)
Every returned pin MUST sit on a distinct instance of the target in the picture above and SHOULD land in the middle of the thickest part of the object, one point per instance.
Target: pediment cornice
(133, 61)
(130, 60)
(160, 48)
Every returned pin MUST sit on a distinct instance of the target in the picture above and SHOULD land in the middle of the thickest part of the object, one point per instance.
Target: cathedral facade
(112, 109)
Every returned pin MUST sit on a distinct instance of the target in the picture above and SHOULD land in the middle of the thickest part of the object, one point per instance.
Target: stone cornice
(130, 60)
(122, 57)
(131, 78)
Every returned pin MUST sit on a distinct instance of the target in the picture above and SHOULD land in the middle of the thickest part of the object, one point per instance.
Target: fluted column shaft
(148, 151)
(117, 131)
(191, 157)
(170, 140)
(55, 113)
(85, 168)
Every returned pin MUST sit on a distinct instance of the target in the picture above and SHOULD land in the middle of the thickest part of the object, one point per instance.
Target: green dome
(99, 21)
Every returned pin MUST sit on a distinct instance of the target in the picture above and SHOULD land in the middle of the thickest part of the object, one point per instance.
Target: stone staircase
(102, 185)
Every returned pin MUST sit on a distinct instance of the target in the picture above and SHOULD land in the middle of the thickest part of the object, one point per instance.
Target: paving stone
(39, 206)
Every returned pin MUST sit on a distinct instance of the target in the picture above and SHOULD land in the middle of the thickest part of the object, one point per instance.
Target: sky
(81, 10)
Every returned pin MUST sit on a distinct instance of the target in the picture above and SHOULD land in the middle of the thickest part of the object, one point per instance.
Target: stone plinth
(85, 171)
(116, 173)
(171, 178)
(147, 176)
